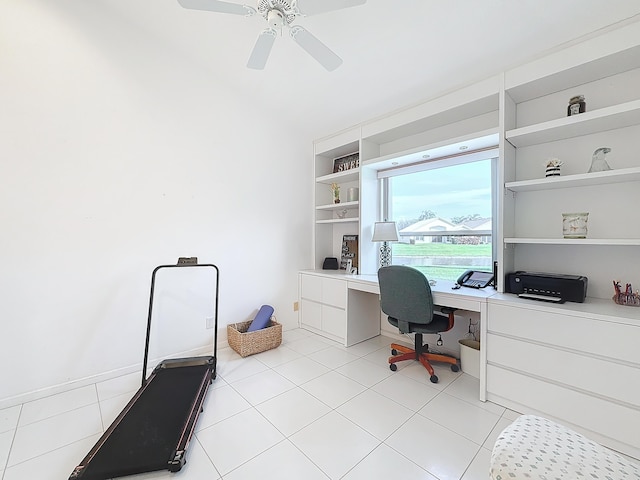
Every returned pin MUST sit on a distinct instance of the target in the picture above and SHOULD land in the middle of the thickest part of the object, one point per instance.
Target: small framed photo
(346, 163)
(349, 251)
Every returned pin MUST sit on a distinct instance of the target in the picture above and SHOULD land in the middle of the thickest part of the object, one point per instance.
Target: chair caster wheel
(393, 367)
(455, 368)
(394, 351)
(434, 379)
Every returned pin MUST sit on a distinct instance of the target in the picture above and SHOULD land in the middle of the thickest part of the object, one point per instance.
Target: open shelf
(603, 119)
(574, 241)
(338, 206)
(340, 220)
(579, 180)
(340, 177)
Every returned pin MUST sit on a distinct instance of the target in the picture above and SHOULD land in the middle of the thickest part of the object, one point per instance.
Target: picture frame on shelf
(347, 162)
(349, 251)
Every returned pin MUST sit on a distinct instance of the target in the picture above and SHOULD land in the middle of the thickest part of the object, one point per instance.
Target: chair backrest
(405, 294)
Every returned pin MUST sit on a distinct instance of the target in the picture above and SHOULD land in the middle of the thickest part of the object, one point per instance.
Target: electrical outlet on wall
(295, 306)
(208, 322)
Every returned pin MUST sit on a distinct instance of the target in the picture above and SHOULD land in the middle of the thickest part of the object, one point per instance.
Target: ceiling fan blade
(218, 6)
(262, 49)
(313, 7)
(315, 48)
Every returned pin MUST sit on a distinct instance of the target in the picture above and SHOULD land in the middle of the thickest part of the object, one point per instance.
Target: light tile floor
(309, 409)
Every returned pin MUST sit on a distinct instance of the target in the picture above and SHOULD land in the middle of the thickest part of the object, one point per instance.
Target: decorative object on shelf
(552, 166)
(574, 225)
(346, 163)
(342, 213)
(349, 251)
(350, 269)
(576, 105)
(628, 297)
(598, 162)
(385, 232)
(335, 191)
(352, 194)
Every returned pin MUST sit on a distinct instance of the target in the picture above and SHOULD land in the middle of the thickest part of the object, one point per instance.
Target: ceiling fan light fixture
(281, 8)
(279, 14)
(275, 19)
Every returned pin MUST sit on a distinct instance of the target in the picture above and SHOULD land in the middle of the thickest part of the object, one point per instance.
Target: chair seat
(439, 324)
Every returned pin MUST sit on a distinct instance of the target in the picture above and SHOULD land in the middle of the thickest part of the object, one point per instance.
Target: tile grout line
(13, 438)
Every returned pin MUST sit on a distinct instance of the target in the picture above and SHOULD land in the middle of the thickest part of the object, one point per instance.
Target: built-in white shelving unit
(535, 126)
(329, 228)
(576, 346)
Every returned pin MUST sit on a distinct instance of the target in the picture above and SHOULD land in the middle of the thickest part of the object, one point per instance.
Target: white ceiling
(396, 52)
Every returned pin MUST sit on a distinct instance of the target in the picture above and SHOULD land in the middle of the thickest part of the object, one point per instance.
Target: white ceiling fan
(278, 14)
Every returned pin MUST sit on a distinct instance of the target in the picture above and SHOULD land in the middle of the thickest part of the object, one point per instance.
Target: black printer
(549, 287)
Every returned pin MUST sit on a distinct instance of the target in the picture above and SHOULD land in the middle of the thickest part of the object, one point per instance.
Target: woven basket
(248, 343)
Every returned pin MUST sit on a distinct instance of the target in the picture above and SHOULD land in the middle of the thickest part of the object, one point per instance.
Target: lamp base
(385, 255)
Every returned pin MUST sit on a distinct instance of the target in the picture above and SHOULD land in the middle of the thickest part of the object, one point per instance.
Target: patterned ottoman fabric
(535, 448)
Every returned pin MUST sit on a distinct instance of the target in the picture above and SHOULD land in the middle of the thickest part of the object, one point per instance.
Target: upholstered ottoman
(535, 448)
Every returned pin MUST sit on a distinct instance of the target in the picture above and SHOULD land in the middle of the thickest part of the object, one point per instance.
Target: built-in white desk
(346, 308)
(577, 363)
(471, 299)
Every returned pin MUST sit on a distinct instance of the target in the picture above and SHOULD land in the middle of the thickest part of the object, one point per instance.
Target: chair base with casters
(407, 300)
(421, 353)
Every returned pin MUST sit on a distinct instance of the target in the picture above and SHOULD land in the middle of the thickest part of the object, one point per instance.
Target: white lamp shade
(385, 232)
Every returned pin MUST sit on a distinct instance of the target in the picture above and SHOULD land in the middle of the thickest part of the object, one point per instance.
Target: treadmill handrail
(215, 315)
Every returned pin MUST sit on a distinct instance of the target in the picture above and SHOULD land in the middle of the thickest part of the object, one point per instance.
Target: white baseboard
(66, 386)
(104, 376)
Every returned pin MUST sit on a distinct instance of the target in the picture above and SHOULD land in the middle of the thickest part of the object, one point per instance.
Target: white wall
(117, 154)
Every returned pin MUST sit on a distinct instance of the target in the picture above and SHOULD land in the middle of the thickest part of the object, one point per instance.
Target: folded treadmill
(154, 430)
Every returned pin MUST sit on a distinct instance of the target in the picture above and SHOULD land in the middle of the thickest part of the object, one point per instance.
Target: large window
(444, 216)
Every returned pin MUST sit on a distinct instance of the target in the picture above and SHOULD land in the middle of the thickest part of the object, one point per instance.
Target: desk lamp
(385, 232)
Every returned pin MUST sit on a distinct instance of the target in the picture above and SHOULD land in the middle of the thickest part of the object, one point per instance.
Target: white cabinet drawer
(323, 303)
(330, 291)
(580, 371)
(311, 287)
(334, 321)
(615, 421)
(334, 292)
(311, 314)
(567, 330)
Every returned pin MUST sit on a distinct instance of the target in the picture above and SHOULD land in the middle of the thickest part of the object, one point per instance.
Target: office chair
(406, 298)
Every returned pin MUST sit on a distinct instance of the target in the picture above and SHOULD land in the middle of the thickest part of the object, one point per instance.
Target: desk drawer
(567, 330)
(618, 422)
(334, 321)
(364, 287)
(311, 287)
(579, 371)
(334, 292)
(329, 291)
(311, 313)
